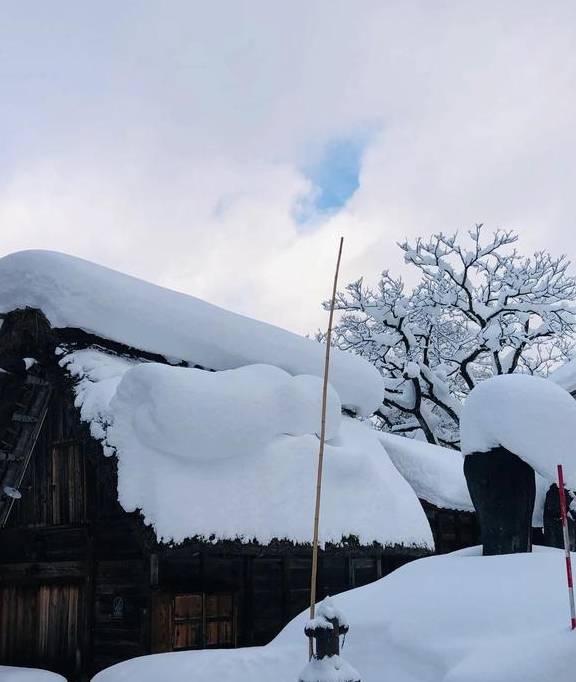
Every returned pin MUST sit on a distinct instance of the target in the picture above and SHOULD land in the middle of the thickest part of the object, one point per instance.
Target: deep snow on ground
(530, 416)
(460, 617)
(233, 454)
(76, 293)
(11, 674)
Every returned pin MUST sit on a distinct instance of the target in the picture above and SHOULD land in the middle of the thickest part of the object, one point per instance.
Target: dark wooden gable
(24, 398)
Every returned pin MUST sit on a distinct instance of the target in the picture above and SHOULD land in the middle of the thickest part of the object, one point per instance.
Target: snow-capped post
(514, 427)
(563, 512)
(503, 489)
(327, 665)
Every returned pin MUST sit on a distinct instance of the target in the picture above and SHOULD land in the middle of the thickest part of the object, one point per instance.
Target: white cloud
(165, 141)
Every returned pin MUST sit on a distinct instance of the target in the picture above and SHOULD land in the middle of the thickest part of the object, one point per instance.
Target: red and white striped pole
(564, 514)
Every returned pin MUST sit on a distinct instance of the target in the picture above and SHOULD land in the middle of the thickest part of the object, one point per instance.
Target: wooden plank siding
(41, 626)
(451, 529)
(121, 595)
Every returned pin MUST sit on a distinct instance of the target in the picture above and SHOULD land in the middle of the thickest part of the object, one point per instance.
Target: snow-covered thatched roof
(436, 474)
(232, 454)
(72, 292)
(226, 454)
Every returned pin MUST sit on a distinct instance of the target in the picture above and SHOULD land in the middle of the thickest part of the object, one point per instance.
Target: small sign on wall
(118, 607)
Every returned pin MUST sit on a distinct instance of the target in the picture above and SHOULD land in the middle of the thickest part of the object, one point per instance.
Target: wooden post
(314, 575)
(502, 487)
(327, 665)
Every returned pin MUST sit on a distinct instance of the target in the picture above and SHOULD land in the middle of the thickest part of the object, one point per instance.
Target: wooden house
(84, 583)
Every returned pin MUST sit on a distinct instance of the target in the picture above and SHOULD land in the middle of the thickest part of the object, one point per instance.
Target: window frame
(204, 619)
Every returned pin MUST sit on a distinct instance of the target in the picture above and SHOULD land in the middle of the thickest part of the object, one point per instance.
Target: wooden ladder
(19, 437)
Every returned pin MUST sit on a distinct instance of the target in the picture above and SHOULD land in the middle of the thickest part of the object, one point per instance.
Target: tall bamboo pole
(314, 576)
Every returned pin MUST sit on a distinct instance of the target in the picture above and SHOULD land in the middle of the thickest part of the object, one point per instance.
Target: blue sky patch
(335, 174)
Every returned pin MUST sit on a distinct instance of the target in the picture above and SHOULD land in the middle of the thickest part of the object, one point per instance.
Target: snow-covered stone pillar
(503, 490)
(326, 629)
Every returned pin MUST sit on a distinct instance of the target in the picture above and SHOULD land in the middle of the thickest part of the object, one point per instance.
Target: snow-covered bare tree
(479, 309)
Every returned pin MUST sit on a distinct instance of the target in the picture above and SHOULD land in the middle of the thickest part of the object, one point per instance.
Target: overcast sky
(222, 147)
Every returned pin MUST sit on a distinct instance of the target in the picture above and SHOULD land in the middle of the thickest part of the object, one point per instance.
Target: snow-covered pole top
(532, 417)
(72, 292)
(326, 629)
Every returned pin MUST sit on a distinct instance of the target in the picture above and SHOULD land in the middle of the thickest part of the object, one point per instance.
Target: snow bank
(530, 416)
(76, 293)
(11, 674)
(453, 618)
(436, 474)
(233, 454)
(329, 669)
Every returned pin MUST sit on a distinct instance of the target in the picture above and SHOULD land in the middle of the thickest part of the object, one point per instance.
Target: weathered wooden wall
(452, 529)
(45, 552)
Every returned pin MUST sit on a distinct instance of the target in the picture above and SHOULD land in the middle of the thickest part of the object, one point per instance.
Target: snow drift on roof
(233, 454)
(458, 617)
(76, 293)
(530, 416)
(565, 376)
(436, 474)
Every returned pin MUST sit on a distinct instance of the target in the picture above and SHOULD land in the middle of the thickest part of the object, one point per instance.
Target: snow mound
(233, 454)
(76, 293)
(530, 416)
(330, 669)
(459, 617)
(206, 416)
(12, 674)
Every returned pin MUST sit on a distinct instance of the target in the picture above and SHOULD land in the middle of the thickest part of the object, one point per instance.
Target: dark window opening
(364, 571)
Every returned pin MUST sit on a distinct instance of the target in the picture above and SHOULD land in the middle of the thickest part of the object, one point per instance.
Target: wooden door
(40, 626)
